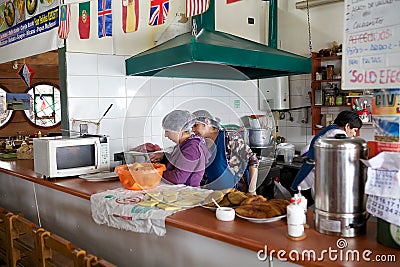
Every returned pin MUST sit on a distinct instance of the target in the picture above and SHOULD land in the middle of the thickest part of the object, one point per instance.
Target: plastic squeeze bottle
(295, 218)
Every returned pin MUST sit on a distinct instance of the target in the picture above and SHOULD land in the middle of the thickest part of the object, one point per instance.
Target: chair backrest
(23, 242)
(57, 251)
(94, 261)
(4, 233)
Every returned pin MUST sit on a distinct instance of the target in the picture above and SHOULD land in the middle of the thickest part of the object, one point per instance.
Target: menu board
(371, 47)
(27, 27)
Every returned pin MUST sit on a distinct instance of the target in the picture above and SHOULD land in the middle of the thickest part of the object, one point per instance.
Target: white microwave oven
(63, 156)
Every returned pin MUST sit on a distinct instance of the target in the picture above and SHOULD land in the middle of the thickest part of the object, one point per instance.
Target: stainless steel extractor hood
(217, 55)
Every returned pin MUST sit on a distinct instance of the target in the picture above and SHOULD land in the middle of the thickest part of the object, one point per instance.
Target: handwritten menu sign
(371, 54)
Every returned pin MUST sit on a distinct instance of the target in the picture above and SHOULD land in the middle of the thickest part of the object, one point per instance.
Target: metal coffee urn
(339, 185)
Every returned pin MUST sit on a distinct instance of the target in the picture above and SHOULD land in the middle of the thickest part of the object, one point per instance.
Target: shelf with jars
(327, 97)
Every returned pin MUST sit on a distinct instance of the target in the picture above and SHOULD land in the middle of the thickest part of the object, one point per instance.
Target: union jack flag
(104, 18)
(158, 12)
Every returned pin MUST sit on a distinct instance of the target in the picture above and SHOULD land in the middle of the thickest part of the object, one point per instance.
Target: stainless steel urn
(339, 185)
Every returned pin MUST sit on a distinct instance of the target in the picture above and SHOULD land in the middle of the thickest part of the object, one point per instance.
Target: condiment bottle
(302, 202)
(295, 218)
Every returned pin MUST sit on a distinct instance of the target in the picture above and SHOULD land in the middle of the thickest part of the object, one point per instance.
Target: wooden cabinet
(327, 98)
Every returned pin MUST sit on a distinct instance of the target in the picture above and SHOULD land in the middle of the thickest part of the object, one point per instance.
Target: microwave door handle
(96, 155)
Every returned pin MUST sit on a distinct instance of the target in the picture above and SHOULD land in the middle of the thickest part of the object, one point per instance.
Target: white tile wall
(140, 103)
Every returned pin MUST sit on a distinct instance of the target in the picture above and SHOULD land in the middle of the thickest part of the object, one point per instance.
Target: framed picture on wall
(18, 101)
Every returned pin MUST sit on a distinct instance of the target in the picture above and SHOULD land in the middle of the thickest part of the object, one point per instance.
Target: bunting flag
(232, 1)
(84, 20)
(26, 73)
(104, 18)
(65, 19)
(158, 12)
(130, 15)
(196, 7)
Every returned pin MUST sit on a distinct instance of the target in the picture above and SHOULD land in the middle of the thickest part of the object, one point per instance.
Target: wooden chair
(56, 251)
(4, 233)
(94, 261)
(23, 242)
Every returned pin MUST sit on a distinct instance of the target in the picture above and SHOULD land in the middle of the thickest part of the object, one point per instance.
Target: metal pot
(339, 185)
(259, 137)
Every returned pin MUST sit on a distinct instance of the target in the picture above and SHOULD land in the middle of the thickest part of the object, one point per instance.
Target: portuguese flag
(84, 20)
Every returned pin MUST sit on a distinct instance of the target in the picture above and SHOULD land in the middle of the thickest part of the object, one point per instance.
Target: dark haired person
(347, 122)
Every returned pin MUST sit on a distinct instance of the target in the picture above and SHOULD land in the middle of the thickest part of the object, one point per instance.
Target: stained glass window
(45, 105)
(5, 115)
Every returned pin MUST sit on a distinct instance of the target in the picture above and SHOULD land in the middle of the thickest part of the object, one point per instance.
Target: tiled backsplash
(139, 103)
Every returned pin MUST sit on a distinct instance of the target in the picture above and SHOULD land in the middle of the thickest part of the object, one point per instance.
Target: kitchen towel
(119, 208)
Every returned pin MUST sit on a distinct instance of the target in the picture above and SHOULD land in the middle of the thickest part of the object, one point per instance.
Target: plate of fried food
(229, 197)
(258, 209)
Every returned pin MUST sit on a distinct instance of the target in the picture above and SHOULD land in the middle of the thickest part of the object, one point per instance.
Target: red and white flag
(196, 7)
(65, 20)
(232, 1)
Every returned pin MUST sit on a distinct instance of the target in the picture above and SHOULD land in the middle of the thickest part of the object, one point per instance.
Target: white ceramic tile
(112, 127)
(248, 88)
(184, 89)
(140, 106)
(83, 108)
(298, 101)
(110, 65)
(134, 127)
(137, 86)
(112, 86)
(250, 104)
(82, 86)
(81, 64)
(162, 106)
(181, 81)
(186, 103)
(221, 90)
(296, 134)
(192, 104)
(159, 86)
(156, 126)
(116, 146)
(118, 109)
(202, 88)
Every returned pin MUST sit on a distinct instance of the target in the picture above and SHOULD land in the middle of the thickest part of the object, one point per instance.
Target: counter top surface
(252, 236)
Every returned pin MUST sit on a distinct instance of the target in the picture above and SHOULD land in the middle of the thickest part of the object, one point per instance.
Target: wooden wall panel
(46, 71)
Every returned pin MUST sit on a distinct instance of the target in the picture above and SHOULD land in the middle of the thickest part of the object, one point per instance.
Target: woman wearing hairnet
(186, 163)
(233, 163)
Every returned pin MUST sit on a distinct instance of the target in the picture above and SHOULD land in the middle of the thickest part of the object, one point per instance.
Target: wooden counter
(258, 238)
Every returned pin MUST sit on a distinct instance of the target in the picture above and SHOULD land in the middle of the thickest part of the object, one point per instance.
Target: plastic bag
(280, 192)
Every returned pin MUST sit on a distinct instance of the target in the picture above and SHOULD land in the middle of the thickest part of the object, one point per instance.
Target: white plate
(266, 220)
(100, 176)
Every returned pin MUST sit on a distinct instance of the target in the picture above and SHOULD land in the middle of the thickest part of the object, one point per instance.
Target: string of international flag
(130, 15)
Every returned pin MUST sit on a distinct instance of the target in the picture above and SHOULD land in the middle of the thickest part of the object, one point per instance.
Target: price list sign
(371, 47)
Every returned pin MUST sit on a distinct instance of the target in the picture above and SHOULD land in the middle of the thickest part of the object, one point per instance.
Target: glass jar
(329, 72)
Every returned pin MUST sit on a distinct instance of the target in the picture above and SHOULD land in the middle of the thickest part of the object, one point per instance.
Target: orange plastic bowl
(140, 179)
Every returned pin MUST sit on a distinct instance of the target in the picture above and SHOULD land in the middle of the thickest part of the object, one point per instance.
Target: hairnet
(202, 115)
(178, 121)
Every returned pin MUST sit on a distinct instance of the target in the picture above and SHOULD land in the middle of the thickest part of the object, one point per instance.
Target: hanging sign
(371, 47)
